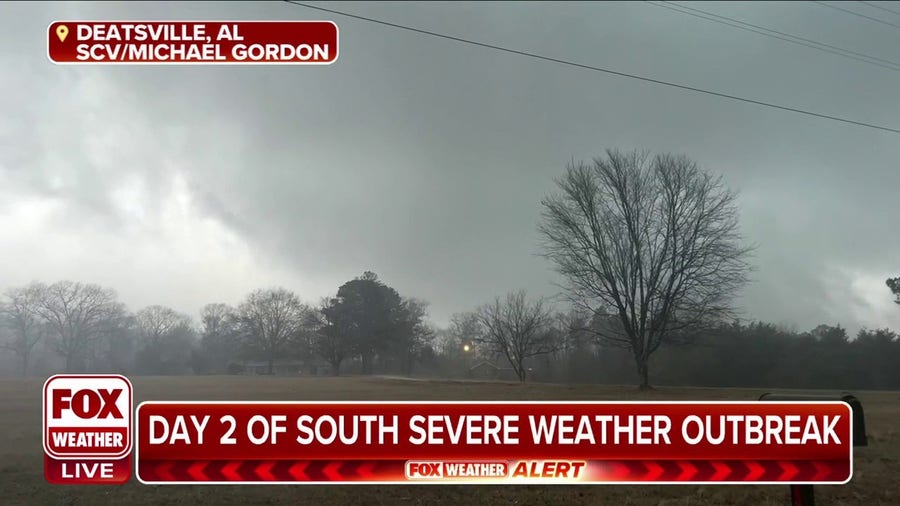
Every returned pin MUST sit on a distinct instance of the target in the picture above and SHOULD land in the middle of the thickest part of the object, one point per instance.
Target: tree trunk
(408, 366)
(643, 370)
(366, 363)
(25, 365)
(69, 363)
(271, 365)
(336, 368)
(520, 372)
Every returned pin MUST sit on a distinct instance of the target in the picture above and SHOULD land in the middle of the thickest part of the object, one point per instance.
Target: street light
(466, 359)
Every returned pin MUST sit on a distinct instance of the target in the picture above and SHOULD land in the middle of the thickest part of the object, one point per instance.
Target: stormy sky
(425, 160)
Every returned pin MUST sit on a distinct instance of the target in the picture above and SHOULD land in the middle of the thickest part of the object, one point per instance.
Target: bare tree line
(648, 248)
(89, 329)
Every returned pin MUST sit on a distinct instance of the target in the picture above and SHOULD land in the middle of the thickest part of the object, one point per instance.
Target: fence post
(802, 495)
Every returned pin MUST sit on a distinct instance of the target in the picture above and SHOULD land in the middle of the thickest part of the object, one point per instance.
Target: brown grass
(21, 474)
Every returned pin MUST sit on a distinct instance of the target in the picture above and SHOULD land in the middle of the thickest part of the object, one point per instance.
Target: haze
(425, 160)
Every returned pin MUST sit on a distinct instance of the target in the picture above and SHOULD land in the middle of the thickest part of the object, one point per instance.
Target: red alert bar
(193, 42)
(494, 442)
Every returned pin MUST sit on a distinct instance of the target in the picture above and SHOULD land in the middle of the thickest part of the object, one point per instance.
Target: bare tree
(116, 344)
(272, 319)
(517, 329)
(465, 329)
(76, 314)
(158, 322)
(573, 327)
(412, 334)
(25, 327)
(652, 241)
(167, 338)
(464, 333)
(219, 336)
(217, 318)
(459, 343)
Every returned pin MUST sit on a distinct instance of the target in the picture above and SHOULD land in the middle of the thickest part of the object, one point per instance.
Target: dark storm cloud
(425, 160)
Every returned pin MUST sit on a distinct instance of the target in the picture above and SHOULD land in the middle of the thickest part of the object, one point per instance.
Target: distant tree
(577, 357)
(219, 337)
(157, 322)
(18, 314)
(332, 331)
(77, 314)
(116, 347)
(827, 334)
(575, 330)
(368, 310)
(412, 335)
(517, 329)
(272, 320)
(167, 339)
(442, 344)
(465, 334)
(894, 285)
(653, 241)
(879, 351)
(877, 337)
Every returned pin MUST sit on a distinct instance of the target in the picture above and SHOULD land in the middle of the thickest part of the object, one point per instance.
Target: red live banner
(193, 42)
(493, 442)
(88, 428)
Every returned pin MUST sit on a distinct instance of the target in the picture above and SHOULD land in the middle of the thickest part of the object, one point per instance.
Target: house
(490, 370)
(279, 368)
(311, 367)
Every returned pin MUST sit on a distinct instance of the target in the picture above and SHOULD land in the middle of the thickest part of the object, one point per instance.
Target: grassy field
(21, 473)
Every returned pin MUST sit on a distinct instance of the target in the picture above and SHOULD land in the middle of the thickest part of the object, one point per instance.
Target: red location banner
(193, 42)
(494, 442)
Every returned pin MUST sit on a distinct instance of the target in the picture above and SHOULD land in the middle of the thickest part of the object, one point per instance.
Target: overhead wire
(870, 4)
(857, 14)
(594, 68)
(768, 32)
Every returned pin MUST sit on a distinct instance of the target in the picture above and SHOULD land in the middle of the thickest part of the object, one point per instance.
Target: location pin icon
(61, 32)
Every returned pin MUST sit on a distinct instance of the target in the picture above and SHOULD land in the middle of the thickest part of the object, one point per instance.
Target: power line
(870, 4)
(854, 13)
(596, 69)
(775, 34)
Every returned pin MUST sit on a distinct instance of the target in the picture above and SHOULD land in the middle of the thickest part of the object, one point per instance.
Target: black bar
(802, 495)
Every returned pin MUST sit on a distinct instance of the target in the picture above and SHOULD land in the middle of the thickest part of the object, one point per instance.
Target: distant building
(490, 370)
(282, 368)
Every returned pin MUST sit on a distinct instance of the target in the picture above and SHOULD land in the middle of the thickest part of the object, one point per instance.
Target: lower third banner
(493, 442)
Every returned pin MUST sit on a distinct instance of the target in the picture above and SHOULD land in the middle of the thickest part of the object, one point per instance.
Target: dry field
(21, 473)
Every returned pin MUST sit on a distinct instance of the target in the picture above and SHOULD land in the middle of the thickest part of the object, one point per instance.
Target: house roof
(486, 364)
